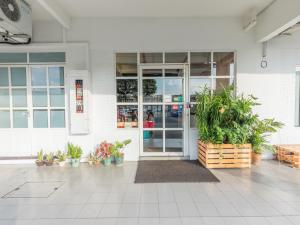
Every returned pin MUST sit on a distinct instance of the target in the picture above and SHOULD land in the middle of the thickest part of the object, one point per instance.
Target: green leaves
(74, 151)
(223, 118)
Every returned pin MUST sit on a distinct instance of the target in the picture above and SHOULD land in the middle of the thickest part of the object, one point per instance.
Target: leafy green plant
(118, 148)
(61, 156)
(74, 151)
(227, 118)
(40, 156)
(50, 157)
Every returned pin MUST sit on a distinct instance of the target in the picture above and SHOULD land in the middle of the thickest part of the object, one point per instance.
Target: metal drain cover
(34, 190)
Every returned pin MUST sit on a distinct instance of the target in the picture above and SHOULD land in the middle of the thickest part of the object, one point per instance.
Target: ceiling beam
(275, 19)
(57, 12)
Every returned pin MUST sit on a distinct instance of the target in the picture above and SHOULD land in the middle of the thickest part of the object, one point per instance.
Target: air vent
(10, 9)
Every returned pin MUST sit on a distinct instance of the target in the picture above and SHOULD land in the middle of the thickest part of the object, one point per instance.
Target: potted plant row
(48, 159)
(229, 131)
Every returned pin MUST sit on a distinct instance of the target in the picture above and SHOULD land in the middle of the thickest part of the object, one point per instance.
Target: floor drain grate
(34, 190)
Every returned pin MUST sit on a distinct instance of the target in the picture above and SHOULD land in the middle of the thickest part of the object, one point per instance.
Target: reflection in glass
(193, 116)
(19, 97)
(174, 141)
(152, 73)
(126, 64)
(152, 90)
(57, 97)
(221, 83)
(40, 118)
(56, 76)
(224, 63)
(39, 76)
(176, 57)
(153, 141)
(39, 97)
(173, 90)
(4, 77)
(174, 72)
(127, 90)
(173, 116)
(18, 76)
(127, 116)
(4, 98)
(197, 85)
(57, 118)
(151, 57)
(152, 115)
(200, 64)
(20, 119)
(4, 119)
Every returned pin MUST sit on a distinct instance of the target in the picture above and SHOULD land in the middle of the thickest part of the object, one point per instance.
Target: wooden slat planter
(224, 155)
(289, 154)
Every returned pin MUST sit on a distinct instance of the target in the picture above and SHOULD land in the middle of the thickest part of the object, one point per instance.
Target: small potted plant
(49, 159)
(103, 152)
(40, 158)
(61, 158)
(91, 159)
(75, 153)
(118, 151)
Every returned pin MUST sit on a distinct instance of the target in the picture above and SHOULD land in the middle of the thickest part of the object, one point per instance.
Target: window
(127, 90)
(297, 106)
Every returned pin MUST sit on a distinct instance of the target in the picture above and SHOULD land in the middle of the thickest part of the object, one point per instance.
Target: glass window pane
(56, 76)
(221, 83)
(4, 119)
(193, 122)
(153, 141)
(152, 73)
(57, 118)
(39, 97)
(126, 64)
(19, 97)
(4, 77)
(174, 73)
(151, 57)
(40, 118)
(18, 76)
(200, 64)
(39, 76)
(176, 57)
(152, 90)
(6, 57)
(173, 116)
(174, 141)
(197, 85)
(173, 90)
(224, 63)
(127, 90)
(152, 115)
(57, 97)
(4, 98)
(127, 116)
(47, 57)
(20, 119)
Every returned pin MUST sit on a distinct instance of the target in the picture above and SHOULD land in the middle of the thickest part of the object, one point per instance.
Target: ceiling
(151, 8)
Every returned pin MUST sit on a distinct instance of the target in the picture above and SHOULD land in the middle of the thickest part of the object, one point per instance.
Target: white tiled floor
(266, 194)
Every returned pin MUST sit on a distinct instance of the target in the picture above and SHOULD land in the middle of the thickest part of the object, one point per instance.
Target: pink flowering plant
(104, 150)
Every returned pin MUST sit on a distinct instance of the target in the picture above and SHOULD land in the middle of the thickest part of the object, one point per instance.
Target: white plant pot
(62, 164)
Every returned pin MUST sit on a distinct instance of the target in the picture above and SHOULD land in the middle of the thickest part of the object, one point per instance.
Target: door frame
(185, 128)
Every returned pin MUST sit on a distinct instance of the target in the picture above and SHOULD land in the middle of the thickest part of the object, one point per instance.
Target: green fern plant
(74, 151)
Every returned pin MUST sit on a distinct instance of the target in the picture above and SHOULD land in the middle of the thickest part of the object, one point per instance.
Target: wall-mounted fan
(10, 9)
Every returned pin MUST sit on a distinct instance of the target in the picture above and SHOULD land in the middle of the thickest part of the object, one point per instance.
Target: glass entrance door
(162, 110)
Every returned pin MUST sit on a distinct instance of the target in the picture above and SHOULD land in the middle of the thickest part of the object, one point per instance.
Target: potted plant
(228, 129)
(75, 153)
(91, 159)
(118, 151)
(61, 158)
(49, 159)
(261, 130)
(103, 152)
(40, 158)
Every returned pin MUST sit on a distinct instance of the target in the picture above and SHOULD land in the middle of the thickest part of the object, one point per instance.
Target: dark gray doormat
(172, 171)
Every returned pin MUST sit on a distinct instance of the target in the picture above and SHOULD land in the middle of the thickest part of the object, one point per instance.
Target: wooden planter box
(224, 155)
(289, 154)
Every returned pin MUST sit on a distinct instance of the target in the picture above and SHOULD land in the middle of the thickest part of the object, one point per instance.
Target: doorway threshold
(164, 158)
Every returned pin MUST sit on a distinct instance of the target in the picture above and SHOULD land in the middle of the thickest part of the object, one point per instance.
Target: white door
(163, 115)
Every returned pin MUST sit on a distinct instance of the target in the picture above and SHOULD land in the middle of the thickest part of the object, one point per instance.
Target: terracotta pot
(39, 163)
(49, 163)
(256, 158)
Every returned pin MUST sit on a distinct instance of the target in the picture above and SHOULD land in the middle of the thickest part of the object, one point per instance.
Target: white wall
(274, 86)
